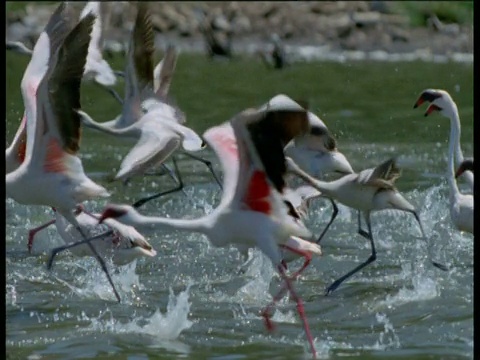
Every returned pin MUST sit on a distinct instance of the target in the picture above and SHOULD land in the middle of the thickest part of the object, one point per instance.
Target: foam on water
(94, 283)
(423, 287)
(162, 326)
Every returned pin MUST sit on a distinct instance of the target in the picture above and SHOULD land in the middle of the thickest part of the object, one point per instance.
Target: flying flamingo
(157, 138)
(367, 191)
(52, 173)
(444, 103)
(461, 205)
(55, 31)
(251, 212)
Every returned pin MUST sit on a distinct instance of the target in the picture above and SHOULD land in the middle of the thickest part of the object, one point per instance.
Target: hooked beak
(143, 246)
(431, 109)
(419, 102)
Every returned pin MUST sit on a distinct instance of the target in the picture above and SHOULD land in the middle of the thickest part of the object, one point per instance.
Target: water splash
(423, 288)
(162, 326)
(388, 337)
(258, 289)
(94, 284)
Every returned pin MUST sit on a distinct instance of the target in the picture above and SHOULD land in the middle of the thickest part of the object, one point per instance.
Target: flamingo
(466, 164)
(461, 205)
(158, 134)
(367, 191)
(125, 243)
(55, 31)
(18, 47)
(251, 212)
(444, 103)
(316, 153)
(52, 173)
(96, 67)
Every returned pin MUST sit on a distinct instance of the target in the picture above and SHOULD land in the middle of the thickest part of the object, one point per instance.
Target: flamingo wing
(223, 142)
(163, 72)
(139, 69)
(382, 176)
(155, 145)
(63, 83)
(96, 42)
(47, 44)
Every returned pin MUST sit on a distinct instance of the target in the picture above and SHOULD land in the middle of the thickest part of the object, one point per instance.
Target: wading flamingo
(461, 205)
(367, 191)
(444, 103)
(316, 153)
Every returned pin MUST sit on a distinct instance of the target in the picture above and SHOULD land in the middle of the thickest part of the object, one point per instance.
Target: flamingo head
(131, 245)
(466, 164)
(439, 100)
(113, 211)
(334, 162)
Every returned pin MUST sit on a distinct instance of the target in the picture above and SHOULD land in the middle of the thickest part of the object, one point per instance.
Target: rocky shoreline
(352, 29)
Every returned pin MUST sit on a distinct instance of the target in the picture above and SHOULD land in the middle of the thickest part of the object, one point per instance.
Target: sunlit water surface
(190, 300)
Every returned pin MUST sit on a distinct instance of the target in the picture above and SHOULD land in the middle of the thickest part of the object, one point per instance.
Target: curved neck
(456, 127)
(452, 145)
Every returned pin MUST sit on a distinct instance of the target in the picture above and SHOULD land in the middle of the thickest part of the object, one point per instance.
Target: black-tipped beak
(431, 109)
(419, 102)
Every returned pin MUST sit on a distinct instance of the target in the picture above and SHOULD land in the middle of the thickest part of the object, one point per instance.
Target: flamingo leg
(300, 308)
(33, 232)
(334, 215)
(94, 251)
(371, 259)
(434, 263)
(179, 187)
(208, 164)
(266, 312)
(112, 92)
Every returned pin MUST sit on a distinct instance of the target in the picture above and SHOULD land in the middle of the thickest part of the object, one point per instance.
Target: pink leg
(266, 312)
(306, 254)
(33, 232)
(300, 308)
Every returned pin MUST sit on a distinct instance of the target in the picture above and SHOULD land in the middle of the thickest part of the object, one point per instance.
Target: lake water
(190, 302)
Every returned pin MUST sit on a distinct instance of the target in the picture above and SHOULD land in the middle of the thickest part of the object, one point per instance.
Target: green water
(395, 308)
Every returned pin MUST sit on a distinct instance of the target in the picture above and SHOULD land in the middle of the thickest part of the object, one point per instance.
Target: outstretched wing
(222, 140)
(47, 45)
(63, 81)
(163, 72)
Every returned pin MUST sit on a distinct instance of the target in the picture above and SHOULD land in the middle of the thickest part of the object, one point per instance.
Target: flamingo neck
(455, 126)
(146, 223)
(453, 144)
(327, 189)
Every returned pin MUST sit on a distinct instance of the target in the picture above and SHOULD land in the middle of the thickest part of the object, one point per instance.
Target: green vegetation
(460, 12)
